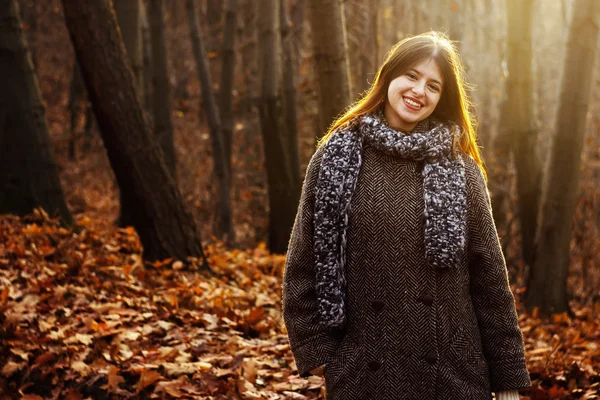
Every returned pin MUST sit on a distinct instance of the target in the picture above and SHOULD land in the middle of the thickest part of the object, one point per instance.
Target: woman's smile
(412, 103)
(413, 95)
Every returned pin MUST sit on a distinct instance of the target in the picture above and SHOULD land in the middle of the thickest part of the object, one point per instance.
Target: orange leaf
(147, 378)
(113, 379)
(255, 316)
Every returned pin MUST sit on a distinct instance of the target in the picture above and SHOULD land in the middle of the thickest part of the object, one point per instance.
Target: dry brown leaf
(114, 379)
(147, 378)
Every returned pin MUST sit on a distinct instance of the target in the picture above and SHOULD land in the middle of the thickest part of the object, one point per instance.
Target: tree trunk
(161, 100)
(224, 226)
(226, 86)
(297, 15)
(147, 61)
(547, 286)
(28, 169)
(290, 119)
(521, 119)
(331, 59)
(362, 41)
(158, 212)
(128, 19)
(249, 63)
(283, 198)
(130, 24)
(214, 13)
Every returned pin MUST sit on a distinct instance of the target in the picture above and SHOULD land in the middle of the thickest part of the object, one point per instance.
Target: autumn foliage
(82, 316)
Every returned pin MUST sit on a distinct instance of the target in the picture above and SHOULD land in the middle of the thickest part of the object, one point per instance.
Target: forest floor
(83, 316)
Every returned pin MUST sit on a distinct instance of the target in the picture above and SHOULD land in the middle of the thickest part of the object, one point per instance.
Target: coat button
(377, 305)
(374, 365)
(431, 357)
(427, 299)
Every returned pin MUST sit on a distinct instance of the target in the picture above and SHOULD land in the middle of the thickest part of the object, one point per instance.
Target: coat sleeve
(312, 344)
(490, 291)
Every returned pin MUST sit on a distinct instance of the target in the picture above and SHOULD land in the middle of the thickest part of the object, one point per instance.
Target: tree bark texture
(146, 39)
(289, 71)
(128, 19)
(130, 24)
(224, 227)
(362, 42)
(283, 196)
(249, 60)
(28, 169)
(226, 86)
(297, 15)
(161, 99)
(547, 285)
(214, 14)
(331, 59)
(521, 119)
(159, 216)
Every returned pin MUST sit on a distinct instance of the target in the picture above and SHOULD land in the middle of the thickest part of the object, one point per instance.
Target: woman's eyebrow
(420, 73)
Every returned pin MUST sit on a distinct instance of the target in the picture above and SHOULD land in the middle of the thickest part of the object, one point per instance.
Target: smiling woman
(395, 285)
(413, 96)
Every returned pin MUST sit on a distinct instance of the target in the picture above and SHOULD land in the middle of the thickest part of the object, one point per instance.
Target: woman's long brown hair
(454, 104)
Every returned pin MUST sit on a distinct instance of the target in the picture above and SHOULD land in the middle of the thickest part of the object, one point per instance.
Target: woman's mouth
(412, 104)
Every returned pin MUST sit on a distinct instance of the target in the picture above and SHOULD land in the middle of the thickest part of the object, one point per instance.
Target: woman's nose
(418, 89)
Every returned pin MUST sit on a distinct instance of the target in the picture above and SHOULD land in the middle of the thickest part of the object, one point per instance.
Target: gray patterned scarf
(444, 196)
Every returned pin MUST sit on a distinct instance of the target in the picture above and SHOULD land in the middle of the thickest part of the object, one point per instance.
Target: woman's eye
(434, 88)
(411, 75)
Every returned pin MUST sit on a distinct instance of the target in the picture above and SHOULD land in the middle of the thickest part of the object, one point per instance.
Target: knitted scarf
(444, 195)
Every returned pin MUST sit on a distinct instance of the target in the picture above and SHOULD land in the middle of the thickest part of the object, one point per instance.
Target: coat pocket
(467, 357)
(340, 364)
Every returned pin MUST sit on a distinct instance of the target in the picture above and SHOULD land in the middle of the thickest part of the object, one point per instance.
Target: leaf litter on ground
(82, 316)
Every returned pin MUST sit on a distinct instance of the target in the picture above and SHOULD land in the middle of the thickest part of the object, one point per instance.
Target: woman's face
(413, 96)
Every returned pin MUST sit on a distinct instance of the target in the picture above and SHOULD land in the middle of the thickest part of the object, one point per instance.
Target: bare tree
(146, 41)
(290, 119)
(520, 119)
(158, 212)
(214, 14)
(547, 285)
(226, 87)
(224, 226)
(283, 194)
(78, 99)
(331, 58)
(249, 62)
(362, 23)
(28, 169)
(161, 99)
(130, 24)
(297, 15)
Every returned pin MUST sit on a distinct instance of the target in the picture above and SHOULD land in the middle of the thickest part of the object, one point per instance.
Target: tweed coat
(412, 332)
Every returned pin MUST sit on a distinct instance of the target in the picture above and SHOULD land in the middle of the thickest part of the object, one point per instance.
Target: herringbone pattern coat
(412, 332)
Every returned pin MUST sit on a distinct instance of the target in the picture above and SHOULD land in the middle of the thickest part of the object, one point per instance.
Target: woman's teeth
(412, 103)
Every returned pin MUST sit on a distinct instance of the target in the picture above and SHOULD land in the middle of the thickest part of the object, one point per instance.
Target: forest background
(147, 195)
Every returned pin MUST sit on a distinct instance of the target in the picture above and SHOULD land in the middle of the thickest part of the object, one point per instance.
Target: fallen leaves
(85, 318)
